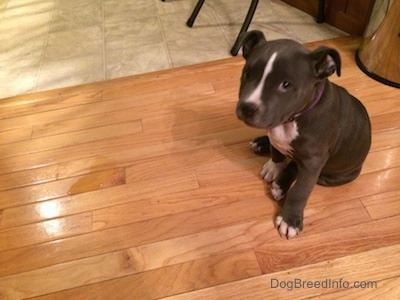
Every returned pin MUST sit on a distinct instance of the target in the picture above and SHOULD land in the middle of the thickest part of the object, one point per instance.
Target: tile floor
(46, 44)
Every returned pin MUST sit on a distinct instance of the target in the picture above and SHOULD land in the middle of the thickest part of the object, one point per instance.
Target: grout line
(5, 9)
(283, 23)
(103, 28)
(44, 49)
(219, 20)
(165, 44)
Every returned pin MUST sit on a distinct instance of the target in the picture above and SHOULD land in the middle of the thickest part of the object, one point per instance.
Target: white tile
(17, 81)
(27, 8)
(206, 49)
(74, 43)
(136, 60)
(117, 11)
(135, 33)
(69, 72)
(183, 7)
(75, 17)
(174, 27)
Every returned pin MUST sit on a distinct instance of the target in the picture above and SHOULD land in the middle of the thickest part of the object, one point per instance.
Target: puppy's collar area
(311, 106)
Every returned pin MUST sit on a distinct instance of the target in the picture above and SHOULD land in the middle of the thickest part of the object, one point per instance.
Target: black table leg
(245, 26)
(194, 14)
(321, 11)
(236, 46)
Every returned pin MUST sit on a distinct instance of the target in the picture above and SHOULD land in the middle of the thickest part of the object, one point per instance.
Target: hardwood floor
(145, 188)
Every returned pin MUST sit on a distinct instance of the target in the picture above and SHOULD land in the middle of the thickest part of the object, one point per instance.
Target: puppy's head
(280, 78)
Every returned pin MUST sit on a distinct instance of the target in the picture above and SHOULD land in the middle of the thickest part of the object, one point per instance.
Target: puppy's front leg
(290, 221)
(274, 167)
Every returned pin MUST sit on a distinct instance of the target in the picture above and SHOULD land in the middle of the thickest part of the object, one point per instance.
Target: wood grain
(372, 265)
(170, 280)
(145, 187)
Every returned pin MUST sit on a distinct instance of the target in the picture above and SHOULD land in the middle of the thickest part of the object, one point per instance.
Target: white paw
(254, 146)
(284, 229)
(271, 170)
(277, 192)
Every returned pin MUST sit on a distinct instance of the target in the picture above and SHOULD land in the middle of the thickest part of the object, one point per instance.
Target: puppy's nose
(246, 110)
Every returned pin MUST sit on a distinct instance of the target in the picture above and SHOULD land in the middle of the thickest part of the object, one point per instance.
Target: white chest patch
(282, 136)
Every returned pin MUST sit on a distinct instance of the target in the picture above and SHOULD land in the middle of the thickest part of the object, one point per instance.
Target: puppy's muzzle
(246, 111)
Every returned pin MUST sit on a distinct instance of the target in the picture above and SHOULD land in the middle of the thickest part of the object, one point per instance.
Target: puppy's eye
(284, 86)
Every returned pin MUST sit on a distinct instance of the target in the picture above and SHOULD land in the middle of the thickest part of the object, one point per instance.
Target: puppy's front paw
(272, 170)
(286, 229)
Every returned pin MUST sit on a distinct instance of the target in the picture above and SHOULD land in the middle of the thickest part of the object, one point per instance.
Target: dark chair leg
(194, 14)
(245, 26)
(321, 11)
(236, 46)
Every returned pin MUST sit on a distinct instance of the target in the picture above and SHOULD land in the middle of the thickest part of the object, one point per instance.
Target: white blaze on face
(255, 96)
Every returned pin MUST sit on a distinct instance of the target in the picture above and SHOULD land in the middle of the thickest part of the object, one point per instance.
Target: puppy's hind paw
(284, 229)
(272, 170)
(277, 192)
(260, 145)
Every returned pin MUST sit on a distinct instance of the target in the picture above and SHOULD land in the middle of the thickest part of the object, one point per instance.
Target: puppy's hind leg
(285, 180)
(334, 180)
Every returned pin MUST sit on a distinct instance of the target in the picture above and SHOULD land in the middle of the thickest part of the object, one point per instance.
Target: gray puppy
(323, 130)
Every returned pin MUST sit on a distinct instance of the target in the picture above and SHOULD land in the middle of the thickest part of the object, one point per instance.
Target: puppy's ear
(249, 40)
(326, 61)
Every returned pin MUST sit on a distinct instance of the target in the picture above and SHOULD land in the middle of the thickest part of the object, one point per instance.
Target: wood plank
(365, 185)
(15, 135)
(385, 122)
(213, 175)
(220, 173)
(170, 280)
(20, 106)
(50, 230)
(387, 289)
(207, 107)
(26, 177)
(385, 140)
(319, 218)
(71, 138)
(237, 237)
(79, 124)
(141, 102)
(85, 165)
(126, 148)
(176, 78)
(58, 188)
(382, 140)
(70, 275)
(140, 165)
(138, 209)
(381, 160)
(122, 237)
(372, 265)
(353, 239)
(96, 198)
(383, 205)
(370, 182)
